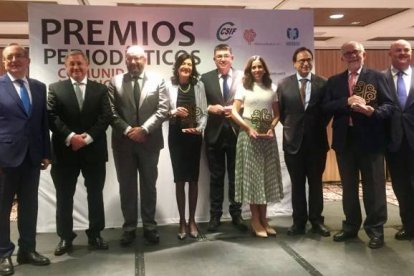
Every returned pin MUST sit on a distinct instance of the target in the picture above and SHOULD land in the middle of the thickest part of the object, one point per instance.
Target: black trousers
(65, 179)
(22, 181)
(401, 167)
(222, 156)
(353, 163)
(307, 165)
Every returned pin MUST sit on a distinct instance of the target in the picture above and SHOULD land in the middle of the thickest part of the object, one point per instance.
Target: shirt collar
(140, 76)
(358, 72)
(84, 81)
(229, 74)
(406, 71)
(308, 77)
(13, 79)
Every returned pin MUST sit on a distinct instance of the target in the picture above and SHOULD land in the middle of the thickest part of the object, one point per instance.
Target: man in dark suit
(305, 141)
(24, 151)
(400, 151)
(79, 114)
(221, 134)
(360, 102)
(139, 104)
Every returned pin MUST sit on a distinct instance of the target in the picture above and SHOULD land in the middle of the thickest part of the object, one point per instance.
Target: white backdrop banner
(105, 32)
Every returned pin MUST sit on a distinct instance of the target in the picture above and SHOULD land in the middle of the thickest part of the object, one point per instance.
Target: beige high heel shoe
(270, 231)
(258, 230)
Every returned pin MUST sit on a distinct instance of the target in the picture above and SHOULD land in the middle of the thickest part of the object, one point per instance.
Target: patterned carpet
(331, 192)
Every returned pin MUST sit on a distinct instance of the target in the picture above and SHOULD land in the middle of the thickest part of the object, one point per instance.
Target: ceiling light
(355, 23)
(336, 16)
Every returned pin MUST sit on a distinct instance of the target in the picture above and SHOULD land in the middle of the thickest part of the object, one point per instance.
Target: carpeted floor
(331, 192)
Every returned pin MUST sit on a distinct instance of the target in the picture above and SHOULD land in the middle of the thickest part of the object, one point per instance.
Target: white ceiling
(401, 24)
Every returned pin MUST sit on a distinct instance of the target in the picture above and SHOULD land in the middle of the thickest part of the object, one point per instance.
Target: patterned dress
(258, 175)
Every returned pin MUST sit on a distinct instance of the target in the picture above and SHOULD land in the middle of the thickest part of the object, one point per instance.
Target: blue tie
(401, 90)
(24, 96)
(226, 90)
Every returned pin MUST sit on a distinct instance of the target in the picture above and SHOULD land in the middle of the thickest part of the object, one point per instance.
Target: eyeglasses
(135, 58)
(303, 61)
(225, 56)
(14, 56)
(351, 53)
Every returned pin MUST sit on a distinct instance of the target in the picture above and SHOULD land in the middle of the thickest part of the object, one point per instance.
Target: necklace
(185, 90)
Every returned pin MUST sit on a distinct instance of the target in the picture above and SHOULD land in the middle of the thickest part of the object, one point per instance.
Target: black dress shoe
(127, 238)
(97, 243)
(152, 236)
(402, 235)
(33, 258)
(376, 242)
(344, 235)
(6, 266)
(296, 230)
(321, 229)
(63, 247)
(239, 223)
(213, 224)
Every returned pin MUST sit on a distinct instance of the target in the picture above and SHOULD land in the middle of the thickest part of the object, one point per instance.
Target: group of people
(235, 112)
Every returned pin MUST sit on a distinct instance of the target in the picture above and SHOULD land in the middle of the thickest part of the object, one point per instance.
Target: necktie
(24, 96)
(226, 90)
(351, 84)
(303, 90)
(401, 90)
(78, 93)
(137, 91)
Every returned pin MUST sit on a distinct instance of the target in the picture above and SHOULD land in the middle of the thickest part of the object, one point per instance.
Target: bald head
(400, 53)
(135, 60)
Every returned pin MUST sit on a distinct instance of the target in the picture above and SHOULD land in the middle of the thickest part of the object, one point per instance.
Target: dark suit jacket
(298, 122)
(65, 117)
(402, 121)
(21, 134)
(371, 130)
(214, 96)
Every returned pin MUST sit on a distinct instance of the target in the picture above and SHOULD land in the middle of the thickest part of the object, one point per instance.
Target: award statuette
(191, 120)
(261, 121)
(366, 91)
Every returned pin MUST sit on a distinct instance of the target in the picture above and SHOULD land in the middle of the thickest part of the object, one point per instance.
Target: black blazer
(402, 120)
(65, 117)
(298, 122)
(371, 130)
(214, 96)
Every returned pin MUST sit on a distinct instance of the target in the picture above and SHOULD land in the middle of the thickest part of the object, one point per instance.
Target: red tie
(351, 82)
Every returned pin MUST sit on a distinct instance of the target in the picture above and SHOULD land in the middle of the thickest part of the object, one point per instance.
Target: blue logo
(226, 31)
(292, 33)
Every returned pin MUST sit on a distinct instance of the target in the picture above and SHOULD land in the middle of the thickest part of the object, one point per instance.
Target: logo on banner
(226, 31)
(292, 34)
(249, 35)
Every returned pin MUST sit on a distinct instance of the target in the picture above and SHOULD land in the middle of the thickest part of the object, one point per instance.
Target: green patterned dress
(258, 176)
